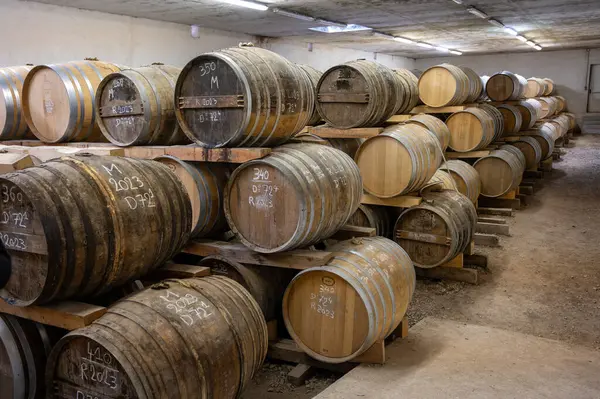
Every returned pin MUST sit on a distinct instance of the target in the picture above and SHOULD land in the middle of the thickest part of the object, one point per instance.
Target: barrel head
(466, 131)
(438, 86)
(500, 87)
(496, 176)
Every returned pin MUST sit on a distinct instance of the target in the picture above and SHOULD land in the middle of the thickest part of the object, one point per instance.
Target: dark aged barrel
(242, 97)
(12, 121)
(549, 89)
(337, 311)
(204, 183)
(348, 146)
(504, 86)
(300, 193)
(475, 84)
(358, 94)
(135, 107)
(188, 339)
(471, 129)
(265, 284)
(434, 125)
(497, 117)
(24, 348)
(58, 100)
(512, 118)
(465, 177)
(398, 161)
(314, 76)
(501, 171)
(411, 87)
(531, 111)
(443, 85)
(373, 216)
(81, 225)
(438, 230)
(531, 149)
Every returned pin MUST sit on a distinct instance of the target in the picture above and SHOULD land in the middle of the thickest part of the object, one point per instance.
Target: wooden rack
(456, 270)
(328, 132)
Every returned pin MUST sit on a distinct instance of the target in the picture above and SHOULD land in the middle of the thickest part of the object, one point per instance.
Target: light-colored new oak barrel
(465, 177)
(562, 104)
(24, 348)
(359, 94)
(81, 225)
(374, 216)
(398, 161)
(314, 76)
(434, 125)
(410, 84)
(242, 97)
(531, 111)
(535, 88)
(475, 84)
(194, 338)
(59, 100)
(549, 106)
(532, 150)
(205, 184)
(471, 129)
(501, 171)
(438, 230)
(497, 117)
(549, 89)
(135, 107)
(504, 86)
(443, 85)
(13, 125)
(512, 118)
(338, 311)
(297, 196)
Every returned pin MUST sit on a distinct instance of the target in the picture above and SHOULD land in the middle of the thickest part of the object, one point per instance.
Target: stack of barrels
(445, 84)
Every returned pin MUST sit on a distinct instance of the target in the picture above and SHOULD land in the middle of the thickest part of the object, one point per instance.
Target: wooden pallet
(456, 269)
(286, 350)
(425, 109)
(468, 155)
(399, 118)
(403, 201)
(328, 132)
(546, 165)
(71, 315)
(509, 200)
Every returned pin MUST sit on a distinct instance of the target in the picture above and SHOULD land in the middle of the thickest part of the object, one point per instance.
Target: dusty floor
(543, 281)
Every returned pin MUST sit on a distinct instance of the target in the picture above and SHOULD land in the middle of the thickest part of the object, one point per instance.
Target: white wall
(567, 69)
(42, 34)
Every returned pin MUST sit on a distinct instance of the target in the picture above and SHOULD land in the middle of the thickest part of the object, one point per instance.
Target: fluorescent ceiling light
(537, 47)
(455, 52)
(457, 1)
(404, 40)
(495, 23)
(247, 4)
(383, 35)
(443, 49)
(337, 29)
(292, 14)
(424, 45)
(478, 13)
(530, 43)
(522, 38)
(331, 23)
(511, 31)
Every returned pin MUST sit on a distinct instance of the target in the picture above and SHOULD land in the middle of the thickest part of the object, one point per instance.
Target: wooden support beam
(425, 109)
(476, 260)
(355, 133)
(175, 270)
(199, 154)
(287, 351)
(495, 211)
(462, 274)
(68, 315)
(536, 174)
(527, 190)
(399, 118)
(490, 219)
(348, 231)
(500, 203)
(488, 240)
(11, 162)
(470, 154)
(300, 374)
(403, 201)
(493, 228)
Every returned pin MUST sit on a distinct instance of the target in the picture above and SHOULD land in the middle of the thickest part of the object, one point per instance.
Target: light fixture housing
(458, 1)
(383, 35)
(511, 31)
(404, 40)
(521, 38)
(330, 23)
(337, 29)
(495, 22)
(442, 49)
(455, 52)
(292, 14)
(247, 4)
(424, 45)
(477, 12)
(537, 47)
(530, 43)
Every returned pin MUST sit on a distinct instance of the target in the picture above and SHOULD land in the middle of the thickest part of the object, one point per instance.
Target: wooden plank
(229, 155)
(424, 109)
(493, 228)
(404, 201)
(477, 260)
(399, 118)
(348, 231)
(546, 165)
(463, 274)
(510, 195)
(327, 132)
(297, 259)
(527, 190)
(495, 211)
(470, 154)
(11, 162)
(68, 315)
(536, 174)
(287, 351)
(523, 199)
(489, 219)
(470, 248)
(488, 240)
(175, 270)
(456, 262)
(500, 203)
(374, 355)
(300, 374)
(272, 330)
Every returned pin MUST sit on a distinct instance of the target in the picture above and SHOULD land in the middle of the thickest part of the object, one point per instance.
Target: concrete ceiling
(554, 24)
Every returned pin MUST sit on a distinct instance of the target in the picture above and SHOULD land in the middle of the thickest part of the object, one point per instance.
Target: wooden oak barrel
(12, 121)
(501, 171)
(313, 76)
(565, 121)
(475, 84)
(465, 177)
(81, 225)
(549, 106)
(135, 107)
(497, 117)
(373, 216)
(562, 104)
(434, 125)
(242, 97)
(410, 84)
(338, 311)
(441, 180)
(504, 86)
(265, 284)
(443, 85)
(300, 193)
(512, 118)
(535, 88)
(205, 184)
(552, 128)
(194, 338)
(359, 94)
(484, 96)
(531, 111)
(532, 151)
(438, 230)
(398, 161)
(24, 348)
(59, 100)
(545, 139)
(549, 89)
(471, 129)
